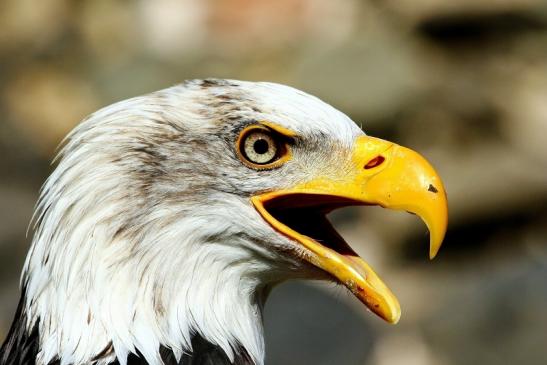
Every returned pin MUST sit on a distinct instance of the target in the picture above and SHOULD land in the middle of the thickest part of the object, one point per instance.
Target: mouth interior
(306, 214)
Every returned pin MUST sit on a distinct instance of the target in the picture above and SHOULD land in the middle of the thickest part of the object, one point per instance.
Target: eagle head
(171, 215)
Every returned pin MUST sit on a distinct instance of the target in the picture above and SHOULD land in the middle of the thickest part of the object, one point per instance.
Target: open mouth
(302, 218)
(306, 215)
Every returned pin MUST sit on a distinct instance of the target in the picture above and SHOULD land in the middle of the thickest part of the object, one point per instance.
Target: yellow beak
(380, 173)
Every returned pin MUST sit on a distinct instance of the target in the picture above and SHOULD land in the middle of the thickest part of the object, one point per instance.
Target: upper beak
(381, 173)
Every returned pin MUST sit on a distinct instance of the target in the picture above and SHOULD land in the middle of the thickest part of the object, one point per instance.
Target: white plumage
(156, 229)
(182, 267)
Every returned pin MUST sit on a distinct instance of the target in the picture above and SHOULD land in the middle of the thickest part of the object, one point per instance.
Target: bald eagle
(170, 216)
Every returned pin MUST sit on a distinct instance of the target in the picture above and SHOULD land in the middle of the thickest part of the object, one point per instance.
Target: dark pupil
(261, 146)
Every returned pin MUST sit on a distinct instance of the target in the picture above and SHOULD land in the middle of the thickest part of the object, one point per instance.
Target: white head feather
(145, 233)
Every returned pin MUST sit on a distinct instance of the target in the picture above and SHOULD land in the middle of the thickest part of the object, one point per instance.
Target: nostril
(376, 161)
(433, 189)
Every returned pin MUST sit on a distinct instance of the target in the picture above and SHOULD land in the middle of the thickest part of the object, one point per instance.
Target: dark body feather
(20, 346)
(204, 353)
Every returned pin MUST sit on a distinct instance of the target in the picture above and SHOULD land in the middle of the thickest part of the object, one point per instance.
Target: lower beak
(381, 173)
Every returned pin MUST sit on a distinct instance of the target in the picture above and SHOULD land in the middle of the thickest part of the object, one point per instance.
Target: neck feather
(112, 293)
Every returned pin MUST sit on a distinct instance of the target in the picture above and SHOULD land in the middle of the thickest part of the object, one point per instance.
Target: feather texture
(145, 240)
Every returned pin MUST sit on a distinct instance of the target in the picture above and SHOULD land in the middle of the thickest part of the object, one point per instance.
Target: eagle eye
(261, 148)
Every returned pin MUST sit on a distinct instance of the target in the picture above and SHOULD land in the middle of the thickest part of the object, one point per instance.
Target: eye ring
(261, 148)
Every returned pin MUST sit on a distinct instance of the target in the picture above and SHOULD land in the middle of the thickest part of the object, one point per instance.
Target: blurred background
(463, 82)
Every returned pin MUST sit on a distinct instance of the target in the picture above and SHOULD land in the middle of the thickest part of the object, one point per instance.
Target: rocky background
(463, 82)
